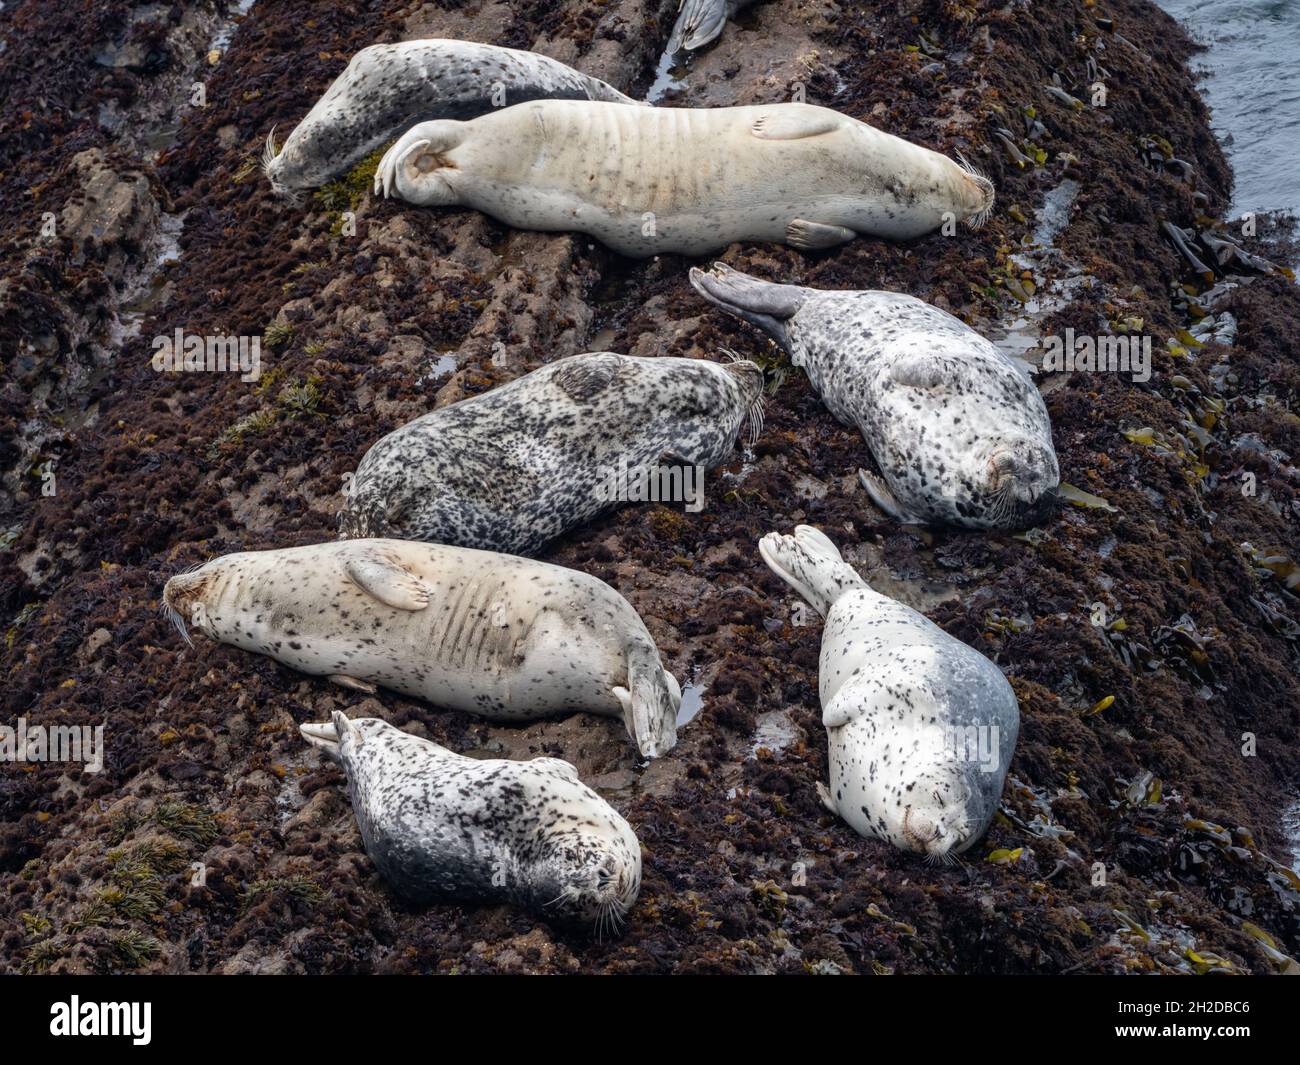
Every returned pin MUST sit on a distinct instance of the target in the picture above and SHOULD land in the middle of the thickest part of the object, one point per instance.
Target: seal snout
(1023, 482)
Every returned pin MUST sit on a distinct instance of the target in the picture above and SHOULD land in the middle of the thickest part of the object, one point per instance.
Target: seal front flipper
(389, 583)
(650, 701)
(841, 710)
(762, 303)
(813, 236)
(824, 793)
(810, 564)
(344, 681)
(583, 377)
(884, 499)
(925, 371)
(792, 122)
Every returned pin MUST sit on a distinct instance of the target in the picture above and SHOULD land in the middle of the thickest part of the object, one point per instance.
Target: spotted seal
(959, 431)
(650, 180)
(920, 727)
(387, 88)
(701, 21)
(502, 637)
(440, 825)
(511, 469)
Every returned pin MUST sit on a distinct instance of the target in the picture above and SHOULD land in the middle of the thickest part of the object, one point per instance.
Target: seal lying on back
(513, 468)
(920, 727)
(701, 21)
(501, 637)
(438, 824)
(959, 431)
(649, 180)
(387, 88)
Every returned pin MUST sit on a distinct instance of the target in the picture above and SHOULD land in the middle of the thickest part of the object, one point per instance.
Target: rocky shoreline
(1147, 629)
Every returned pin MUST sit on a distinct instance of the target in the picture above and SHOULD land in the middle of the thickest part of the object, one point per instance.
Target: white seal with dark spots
(959, 431)
(387, 88)
(511, 469)
(920, 727)
(701, 21)
(440, 825)
(650, 180)
(505, 638)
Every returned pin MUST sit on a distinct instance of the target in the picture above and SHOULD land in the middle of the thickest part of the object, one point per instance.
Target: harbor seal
(387, 88)
(505, 638)
(513, 468)
(959, 431)
(440, 825)
(920, 727)
(701, 21)
(651, 180)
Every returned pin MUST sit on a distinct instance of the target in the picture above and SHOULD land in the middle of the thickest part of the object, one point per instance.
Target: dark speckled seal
(440, 825)
(511, 469)
(502, 637)
(387, 88)
(959, 431)
(920, 727)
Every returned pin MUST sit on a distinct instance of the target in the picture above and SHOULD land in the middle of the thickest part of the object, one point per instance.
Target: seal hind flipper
(787, 122)
(388, 582)
(884, 498)
(582, 377)
(344, 681)
(813, 236)
(414, 167)
(699, 22)
(649, 702)
(811, 565)
(764, 304)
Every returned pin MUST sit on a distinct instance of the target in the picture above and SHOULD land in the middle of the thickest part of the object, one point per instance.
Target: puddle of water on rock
(437, 368)
(148, 292)
(776, 731)
(920, 593)
(602, 340)
(669, 75)
(227, 29)
(692, 702)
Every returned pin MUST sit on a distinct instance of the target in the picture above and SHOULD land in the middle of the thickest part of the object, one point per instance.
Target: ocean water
(1251, 86)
